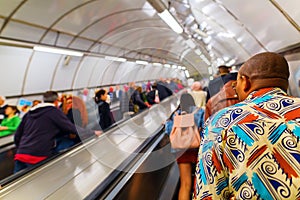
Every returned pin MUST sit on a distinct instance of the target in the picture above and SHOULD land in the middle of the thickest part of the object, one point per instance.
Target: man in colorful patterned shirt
(251, 150)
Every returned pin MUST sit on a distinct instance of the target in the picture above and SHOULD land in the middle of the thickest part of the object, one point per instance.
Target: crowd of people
(57, 123)
(248, 124)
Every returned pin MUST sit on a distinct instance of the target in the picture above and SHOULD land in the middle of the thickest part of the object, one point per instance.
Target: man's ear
(246, 84)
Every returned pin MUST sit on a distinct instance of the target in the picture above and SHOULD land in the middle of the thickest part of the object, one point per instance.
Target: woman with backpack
(186, 158)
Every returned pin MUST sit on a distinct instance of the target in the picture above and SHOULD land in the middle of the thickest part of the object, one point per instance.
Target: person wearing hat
(10, 124)
(250, 150)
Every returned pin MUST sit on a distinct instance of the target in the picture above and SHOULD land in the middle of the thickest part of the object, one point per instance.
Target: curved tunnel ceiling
(215, 32)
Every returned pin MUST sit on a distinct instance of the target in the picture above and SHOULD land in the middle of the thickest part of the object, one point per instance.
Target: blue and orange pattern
(251, 150)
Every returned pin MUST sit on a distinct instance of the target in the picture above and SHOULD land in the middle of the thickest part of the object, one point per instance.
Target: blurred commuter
(112, 94)
(198, 94)
(138, 100)
(148, 86)
(163, 90)
(251, 150)
(78, 104)
(85, 95)
(187, 158)
(24, 109)
(3, 106)
(172, 85)
(215, 85)
(118, 93)
(153, 96)
(126, 106)
(36, 102)
(179, 85)
(224, 98)
(105, 116)
(10, 123)
(35, 138)
(73, 114)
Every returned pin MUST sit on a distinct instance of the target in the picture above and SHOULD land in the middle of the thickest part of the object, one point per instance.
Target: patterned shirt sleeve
(211, 176)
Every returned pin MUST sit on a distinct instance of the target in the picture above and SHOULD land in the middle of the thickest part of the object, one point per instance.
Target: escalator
(146, 183)
(108, 166)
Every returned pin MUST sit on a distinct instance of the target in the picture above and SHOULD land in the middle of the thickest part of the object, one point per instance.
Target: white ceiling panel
(143, 38)
(13, 66)
(138, 31)
(64, 74)
(131, 72)
(98, 71)
(76, 22)
(39, 75)
(81, 44)
(48, 11)
(112, 23)
(85, 71)
(21, 31)
(122, 75)
(148, 72)
(7, 6)
(262, 24)
(144, 72)
(59, 38)
(291, 8)
(250, 45)
(156, 72)
(108, 74)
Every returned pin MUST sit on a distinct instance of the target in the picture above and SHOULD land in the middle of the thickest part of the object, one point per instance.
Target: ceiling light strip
(57, 50)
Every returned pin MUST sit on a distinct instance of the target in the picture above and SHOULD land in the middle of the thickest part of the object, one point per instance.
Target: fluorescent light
(174, 66)
(187, 73)
(190, 43)
(167, 65)
(157, 64)
(201, 33)
(198, 52)
(142, 62)
(227, 35)
(169, 19)
(57, 50)
(115, 59)
(205, 59)
(210, 70)
(231, 62)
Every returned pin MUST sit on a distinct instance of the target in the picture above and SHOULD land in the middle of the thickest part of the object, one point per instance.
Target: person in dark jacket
(163, 90)
(152, 95)
(36, 135)
(105, 115)
(138, 100)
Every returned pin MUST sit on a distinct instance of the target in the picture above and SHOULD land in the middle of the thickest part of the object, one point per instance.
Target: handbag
(136, 108)
(156, 99)
(185, 133)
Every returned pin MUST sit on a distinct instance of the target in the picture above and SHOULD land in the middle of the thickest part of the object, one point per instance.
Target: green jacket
(11, 123)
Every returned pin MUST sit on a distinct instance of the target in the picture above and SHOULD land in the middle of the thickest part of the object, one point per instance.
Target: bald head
(267, 70)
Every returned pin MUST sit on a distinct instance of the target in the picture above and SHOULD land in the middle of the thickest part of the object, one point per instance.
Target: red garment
(224, 98)
(189, 156)
(26, 158)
